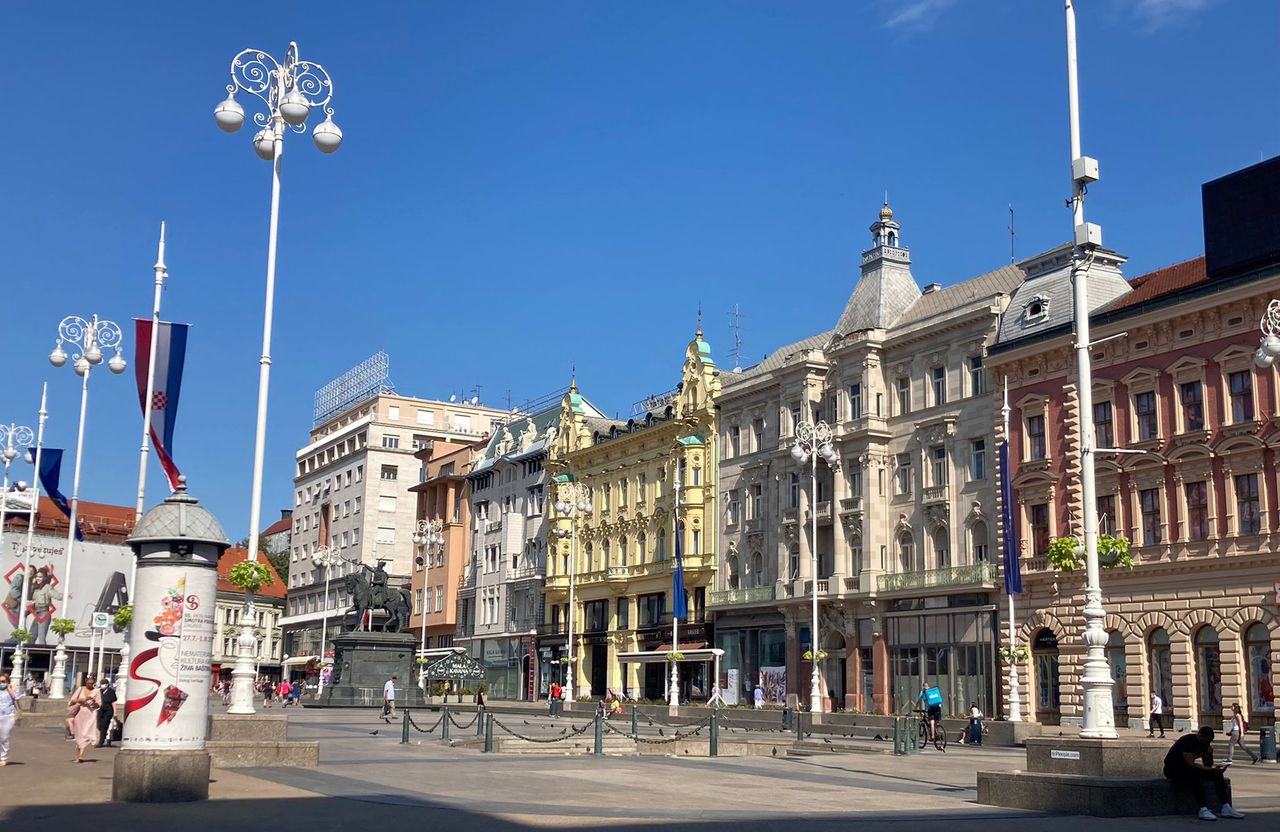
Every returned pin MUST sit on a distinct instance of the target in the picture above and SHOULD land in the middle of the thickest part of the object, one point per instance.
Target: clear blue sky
(528, 184)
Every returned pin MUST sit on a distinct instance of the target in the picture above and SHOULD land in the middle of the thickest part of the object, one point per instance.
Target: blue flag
(50, 473)
(1012, 568)
(680, 603)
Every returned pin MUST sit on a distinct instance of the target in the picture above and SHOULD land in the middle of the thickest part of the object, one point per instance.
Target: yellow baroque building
(621, 561)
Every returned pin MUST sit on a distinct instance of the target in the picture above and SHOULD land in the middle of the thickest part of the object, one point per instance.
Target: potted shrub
(123, 617)
(1066, 554)
(63, 627)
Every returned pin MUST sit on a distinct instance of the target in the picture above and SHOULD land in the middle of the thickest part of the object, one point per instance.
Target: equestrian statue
(373, 593)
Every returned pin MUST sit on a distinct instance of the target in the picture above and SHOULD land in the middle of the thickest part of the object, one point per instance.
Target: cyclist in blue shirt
(931, 698)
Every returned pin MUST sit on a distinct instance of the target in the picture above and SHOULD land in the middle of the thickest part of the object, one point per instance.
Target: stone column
(839, 541)
(163, 758)
(882, 697)
(1186, 702)
(852, 666)
(802, 525)
(794, 681)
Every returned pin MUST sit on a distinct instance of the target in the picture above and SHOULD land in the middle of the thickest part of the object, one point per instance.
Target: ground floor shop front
(598, 660)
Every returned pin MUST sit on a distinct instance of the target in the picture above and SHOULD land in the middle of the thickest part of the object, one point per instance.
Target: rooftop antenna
(735, 317)
(475, 394)
(1012, 234)
(508, 398)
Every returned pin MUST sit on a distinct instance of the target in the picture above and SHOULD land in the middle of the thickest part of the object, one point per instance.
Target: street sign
(101, 621)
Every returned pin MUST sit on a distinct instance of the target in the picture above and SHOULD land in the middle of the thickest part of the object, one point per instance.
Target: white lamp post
(813, 441)
(325, 558)
(19, 656)
(427, 535)
(1269, 347)
(9, 434)
(289, 89)
(90, 337)
(574, 499)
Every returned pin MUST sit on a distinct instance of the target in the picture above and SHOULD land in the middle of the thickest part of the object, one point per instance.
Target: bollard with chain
(488, 732)
(897, 736)
(404, 727)
(480, 715)
(444, 723)
(599, 749)
(714, 748)
(634, 727)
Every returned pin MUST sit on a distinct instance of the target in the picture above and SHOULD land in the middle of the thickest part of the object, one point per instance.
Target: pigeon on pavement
(373, 733)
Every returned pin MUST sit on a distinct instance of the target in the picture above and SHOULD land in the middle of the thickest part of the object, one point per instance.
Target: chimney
(286, 514)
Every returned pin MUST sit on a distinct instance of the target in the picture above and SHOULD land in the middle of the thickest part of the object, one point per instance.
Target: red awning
(684, 645)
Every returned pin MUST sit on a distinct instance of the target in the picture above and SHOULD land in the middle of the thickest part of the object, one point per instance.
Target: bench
(1077, 794)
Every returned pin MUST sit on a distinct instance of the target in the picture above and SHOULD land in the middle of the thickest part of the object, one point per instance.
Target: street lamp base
(58, 684)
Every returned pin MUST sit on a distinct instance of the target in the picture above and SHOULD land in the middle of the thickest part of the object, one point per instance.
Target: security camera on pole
(290, 90)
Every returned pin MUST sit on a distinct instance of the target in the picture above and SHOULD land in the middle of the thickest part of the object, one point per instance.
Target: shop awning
(298, 661)
(692, 653)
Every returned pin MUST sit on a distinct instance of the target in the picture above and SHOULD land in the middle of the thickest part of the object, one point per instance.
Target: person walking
(553, 700)
(1181, 768)
(1235, 736)
(226, 692)
(82, 715)
(716, 698)
(479, 699)
(389, 700)
(283, 692)
(10, 713)
(295, 692)
(1157, 708)
(759, 696)
(106, 711)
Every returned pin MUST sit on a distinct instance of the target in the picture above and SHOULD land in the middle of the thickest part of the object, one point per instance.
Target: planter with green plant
(63, 627)
(123, 617)
(1066, 554)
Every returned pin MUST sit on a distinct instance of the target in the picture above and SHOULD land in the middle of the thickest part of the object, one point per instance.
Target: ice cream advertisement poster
(173, 627)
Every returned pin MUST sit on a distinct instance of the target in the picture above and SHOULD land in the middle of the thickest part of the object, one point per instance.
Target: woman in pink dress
(83, 712)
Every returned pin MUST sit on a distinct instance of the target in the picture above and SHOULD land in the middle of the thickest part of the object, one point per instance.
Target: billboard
(359, 384)
(100, 573)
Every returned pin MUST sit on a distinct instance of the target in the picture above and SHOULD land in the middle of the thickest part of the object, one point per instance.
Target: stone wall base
(249, 754)
(1104, 797)
(160, 776)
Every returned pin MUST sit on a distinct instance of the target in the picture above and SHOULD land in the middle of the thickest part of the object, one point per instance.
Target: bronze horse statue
(367, 596)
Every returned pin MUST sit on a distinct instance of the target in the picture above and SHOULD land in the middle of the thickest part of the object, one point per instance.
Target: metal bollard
(444, 723)
(714, 749)
(786, 719)
(488, 732)
(634, 724)
(898, 748)
(599, 749)
(480, 715)
(404, 727)
(913, 736)
(1267, 744)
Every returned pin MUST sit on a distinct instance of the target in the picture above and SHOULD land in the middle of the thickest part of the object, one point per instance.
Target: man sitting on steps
(1181, 768)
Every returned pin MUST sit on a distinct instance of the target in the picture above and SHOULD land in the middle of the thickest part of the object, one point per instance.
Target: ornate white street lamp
(427, 535)
(10, 434)
(1269, 348)
(19, 656)
(90, 338)
(290, 89)
(813, 441)
(574, 500)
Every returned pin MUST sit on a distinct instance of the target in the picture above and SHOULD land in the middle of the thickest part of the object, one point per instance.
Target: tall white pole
(31, 530)
(1099, 718)
(426, 609)
(815, 691)
(58, 688)
(1014, 711)
(573, 566)
(673, 692)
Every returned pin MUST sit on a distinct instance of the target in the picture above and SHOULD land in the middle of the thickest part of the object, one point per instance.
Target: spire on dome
(885, 232)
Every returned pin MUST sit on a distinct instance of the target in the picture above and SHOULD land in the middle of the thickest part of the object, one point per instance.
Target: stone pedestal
(1127, 757)
(362, 664)
(160, 776)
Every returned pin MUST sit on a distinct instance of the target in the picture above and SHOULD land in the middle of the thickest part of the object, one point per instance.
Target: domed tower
(886, 288)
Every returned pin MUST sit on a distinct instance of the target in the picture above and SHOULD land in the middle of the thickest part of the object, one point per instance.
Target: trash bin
(786, 719)
(1267, 743)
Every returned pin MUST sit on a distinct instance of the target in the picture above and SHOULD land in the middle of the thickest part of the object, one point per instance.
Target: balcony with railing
(864, 426)
(824, 512)
(742, 597)
(851, 505)
(525, 571)
(974, 575)
(551, 628)
(935, 494)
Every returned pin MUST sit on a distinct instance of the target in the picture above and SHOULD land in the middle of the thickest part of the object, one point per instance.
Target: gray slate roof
(1004, 279)
(1054, 286)
(878, 301)
(778, 358)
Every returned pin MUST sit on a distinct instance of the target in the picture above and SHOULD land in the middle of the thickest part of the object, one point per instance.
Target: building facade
(905, 531)
(1195, 494)
(624, 570)
(350, 495)
(269, 603)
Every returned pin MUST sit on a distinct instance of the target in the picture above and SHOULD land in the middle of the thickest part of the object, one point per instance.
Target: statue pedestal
(362, 664)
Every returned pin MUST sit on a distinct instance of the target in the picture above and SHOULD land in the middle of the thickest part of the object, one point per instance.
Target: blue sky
(524, 185)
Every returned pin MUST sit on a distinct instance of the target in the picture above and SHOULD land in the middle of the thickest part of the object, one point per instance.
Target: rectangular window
(735, 441)
(393, 413)
(1106, 508)
(622, 492)
(795, 490)
(1035, 437)
(605, 492)
(1144, 410)
(902, 477)
(386, 504)
(733, 509)
(1104, 434)
(642, 487)
(624, 613)
(460, 422)
(1197, 494)
(855, 401)
(390, 472)
(757, 502)
(855, 482)
(939, 458)
(939, 386)
(904, 396)
(795, 417)
(1192, 395)
(417, 602)
(1149, 507)
(439, 599)
(386, 535)
(1040, 528)
(1241, 386)
(356, 505)
(390, 440)
(978, 460)
(426, 417)
(1247, 504)
(359, 473)
(977, 376)
(757, 434)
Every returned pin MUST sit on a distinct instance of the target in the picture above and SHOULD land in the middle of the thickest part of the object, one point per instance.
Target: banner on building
(774, 682)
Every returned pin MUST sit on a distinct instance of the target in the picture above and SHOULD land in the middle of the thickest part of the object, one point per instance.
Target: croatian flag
(1012, 568)
(680, 603)
(171, 354)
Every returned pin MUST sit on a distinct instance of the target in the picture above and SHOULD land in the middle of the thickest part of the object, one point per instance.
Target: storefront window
(1257, 647)
(1160, 662)
(1209, 677)
(1119, 666)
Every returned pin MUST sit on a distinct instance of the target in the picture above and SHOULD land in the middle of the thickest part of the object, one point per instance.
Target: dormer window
(1036, 310)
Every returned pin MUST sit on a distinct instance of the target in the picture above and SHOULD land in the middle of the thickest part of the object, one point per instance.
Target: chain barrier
(567, 736)
(459, 725)
(664, 740)
(425, 730)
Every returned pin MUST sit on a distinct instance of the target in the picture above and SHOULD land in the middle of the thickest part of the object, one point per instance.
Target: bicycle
(939, 733)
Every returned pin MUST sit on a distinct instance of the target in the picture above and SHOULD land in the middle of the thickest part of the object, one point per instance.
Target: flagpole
(1015, 700)
(58, 688)
(31, 530)
(673, 694)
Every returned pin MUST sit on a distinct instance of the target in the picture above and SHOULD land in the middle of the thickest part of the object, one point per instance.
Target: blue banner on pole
(1012, 567)
(50, 472)
(679, 602)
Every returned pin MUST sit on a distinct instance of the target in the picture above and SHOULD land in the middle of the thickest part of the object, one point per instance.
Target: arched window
(661, 553)
(906, 553)
(591, 558)
(1257, 652)
(731, 564)
(622, 551)
(941, 548)
(757, 569)
(1160, 669)
(978, 541)
(1119, 668)
(1209, 677)
(640, 547)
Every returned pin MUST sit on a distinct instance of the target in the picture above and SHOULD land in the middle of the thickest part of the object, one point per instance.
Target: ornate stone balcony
(935, 495)
(976, 574)
(742, 597)
(851, 505)
(864, 426)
